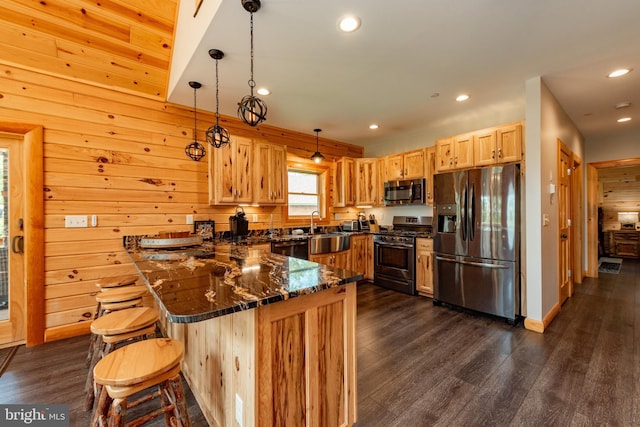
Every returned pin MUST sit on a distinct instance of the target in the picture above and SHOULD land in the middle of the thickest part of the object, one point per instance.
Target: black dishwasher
(293, 248)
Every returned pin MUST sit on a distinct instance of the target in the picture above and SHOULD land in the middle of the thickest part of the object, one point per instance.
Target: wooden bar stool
(113, 299)
(116, 282)
(116, 329)
(137, 367)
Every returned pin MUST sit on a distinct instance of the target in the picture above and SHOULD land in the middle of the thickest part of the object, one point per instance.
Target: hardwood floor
(422, 365)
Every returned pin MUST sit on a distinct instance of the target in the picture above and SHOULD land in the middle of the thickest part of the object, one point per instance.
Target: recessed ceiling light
(349, 23)
(462, 97)
(625, 104)
(264, 91)
(373, 126)
(624, 119)
(619, 72)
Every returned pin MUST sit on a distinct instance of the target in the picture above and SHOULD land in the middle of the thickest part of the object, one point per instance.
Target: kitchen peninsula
(269, 340)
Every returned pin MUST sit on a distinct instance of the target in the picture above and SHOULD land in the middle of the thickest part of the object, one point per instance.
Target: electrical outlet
(189, 219)
(76, 221)
(255, 217)
(238, 410)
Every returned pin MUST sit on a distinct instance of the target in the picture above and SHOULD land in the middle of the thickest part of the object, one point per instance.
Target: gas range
(406, 229)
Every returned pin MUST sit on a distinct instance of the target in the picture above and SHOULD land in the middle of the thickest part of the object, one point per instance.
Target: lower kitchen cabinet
(362, 255)
(336, 259)
(424, 267)
(624, 243)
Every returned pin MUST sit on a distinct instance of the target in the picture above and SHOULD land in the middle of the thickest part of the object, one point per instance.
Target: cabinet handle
(493, 154)
(406, 172)
(428, 261)
(499, 153)
(419, 258)
(450, 161)
(456, 160)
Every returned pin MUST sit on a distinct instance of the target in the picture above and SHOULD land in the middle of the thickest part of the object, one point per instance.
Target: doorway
(12, 289)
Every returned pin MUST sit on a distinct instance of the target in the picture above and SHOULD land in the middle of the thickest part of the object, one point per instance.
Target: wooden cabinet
(366, 182)
(382, 177)
(430, 170)
(362, 255)
(230, 172)
(454, 153)
(407, 165)
(306, 360)
(336, 259)
(424, 267)
(624, 243)
(498, 145)
(270, 174)
(344, 183)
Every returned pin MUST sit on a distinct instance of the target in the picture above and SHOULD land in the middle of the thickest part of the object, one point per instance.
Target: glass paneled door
(12, 284)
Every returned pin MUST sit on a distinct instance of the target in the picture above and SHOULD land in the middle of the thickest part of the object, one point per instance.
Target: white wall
(546, 123)
(613, 147)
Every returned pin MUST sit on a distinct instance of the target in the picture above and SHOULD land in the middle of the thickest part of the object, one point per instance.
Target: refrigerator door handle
(472, 213)
(477, 264)
(463, 213)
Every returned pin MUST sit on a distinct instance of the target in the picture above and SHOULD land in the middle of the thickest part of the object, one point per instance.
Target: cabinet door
(261, 187)
(509, 143)
(382, 177)
(279, 174)
(430, 170)
(366, 181)
(344, 192)
(394, 167)
(414, 164)
(424, 267)
(342, 260)
(485, 148)
(223, 175)
(444, 154)
(243, 172)
(359, 254)
(463, 151)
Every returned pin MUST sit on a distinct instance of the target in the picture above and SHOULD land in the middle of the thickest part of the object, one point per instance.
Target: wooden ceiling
(118, 44)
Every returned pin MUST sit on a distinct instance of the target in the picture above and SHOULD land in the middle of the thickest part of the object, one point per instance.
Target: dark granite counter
(208, 280)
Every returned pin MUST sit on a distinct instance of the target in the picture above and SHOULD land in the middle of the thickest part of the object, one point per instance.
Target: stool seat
(121, 295)
(124, 321)
(115, 282)
(138, 362)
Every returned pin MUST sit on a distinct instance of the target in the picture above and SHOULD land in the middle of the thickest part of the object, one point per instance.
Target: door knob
(563, 236)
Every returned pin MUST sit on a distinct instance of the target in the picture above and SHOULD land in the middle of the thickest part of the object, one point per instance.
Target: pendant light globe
(195, 150)
(217, 136)
(317, 156)
(251, 109)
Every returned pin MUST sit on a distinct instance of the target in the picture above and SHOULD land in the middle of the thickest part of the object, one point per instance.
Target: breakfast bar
(269, 340)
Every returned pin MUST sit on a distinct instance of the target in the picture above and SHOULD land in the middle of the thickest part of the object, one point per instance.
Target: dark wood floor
(421, 365)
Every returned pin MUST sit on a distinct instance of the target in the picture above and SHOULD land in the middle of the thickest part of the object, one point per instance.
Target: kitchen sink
(328, 243)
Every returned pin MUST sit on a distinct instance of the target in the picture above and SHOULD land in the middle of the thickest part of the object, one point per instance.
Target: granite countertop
(204, 281)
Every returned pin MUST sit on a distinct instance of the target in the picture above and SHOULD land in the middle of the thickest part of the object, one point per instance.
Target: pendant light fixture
(317, 156)
(195, 150)
(216, 134)
(251, 109)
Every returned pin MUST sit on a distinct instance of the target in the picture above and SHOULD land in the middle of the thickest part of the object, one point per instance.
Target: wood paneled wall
(618, 191)
(120, 157)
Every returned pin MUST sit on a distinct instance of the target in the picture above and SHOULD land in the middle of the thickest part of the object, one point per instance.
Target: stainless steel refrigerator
(477, 240)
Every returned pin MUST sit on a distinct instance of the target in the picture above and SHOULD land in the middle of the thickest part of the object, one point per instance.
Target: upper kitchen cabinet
(270, 174)
(230, 173)
(498, 145)
(382, 176)
(430, 170)
(407, 165)
(344, 183)
(454, 153)
(366, 182)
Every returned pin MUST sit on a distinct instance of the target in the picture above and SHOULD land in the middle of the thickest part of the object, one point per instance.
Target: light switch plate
(76, 221)
(238, 410)
(189, 219)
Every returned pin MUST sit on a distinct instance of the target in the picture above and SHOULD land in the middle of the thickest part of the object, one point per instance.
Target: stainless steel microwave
(407, 192)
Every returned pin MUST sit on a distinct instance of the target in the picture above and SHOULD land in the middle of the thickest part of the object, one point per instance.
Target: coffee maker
(238, 225)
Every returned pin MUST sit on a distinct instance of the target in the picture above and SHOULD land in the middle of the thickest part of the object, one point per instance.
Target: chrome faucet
(319, 217)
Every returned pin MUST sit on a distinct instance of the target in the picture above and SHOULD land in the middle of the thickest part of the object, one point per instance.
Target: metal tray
(175, 242)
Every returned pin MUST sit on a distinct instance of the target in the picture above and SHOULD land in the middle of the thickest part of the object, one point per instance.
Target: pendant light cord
(195, 120)
(252, 82)
(217, 101)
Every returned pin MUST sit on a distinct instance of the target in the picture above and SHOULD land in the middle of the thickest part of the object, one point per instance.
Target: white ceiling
(407, 50)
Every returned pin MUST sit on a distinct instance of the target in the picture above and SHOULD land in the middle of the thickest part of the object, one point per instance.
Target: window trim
(323, 171)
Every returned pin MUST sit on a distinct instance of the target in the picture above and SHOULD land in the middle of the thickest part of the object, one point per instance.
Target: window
(304, 193)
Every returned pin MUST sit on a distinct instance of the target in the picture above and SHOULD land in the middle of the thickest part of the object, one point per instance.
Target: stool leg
(99, 418)
(89, 386)
(92, 338)
(118, 412)
(174, 393)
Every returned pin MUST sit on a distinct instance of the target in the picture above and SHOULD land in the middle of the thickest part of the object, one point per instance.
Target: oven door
(394, 266)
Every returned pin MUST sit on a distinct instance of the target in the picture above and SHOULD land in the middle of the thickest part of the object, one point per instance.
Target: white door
(12, 281)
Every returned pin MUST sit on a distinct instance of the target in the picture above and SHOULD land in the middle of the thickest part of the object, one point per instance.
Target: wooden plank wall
(120, 157)
(618, 191)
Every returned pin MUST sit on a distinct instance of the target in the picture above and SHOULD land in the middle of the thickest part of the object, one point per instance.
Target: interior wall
(620, 146)
(542, 172)
(120, 157)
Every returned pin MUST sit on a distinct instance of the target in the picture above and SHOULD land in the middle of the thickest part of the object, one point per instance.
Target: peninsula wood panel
(120, 157)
